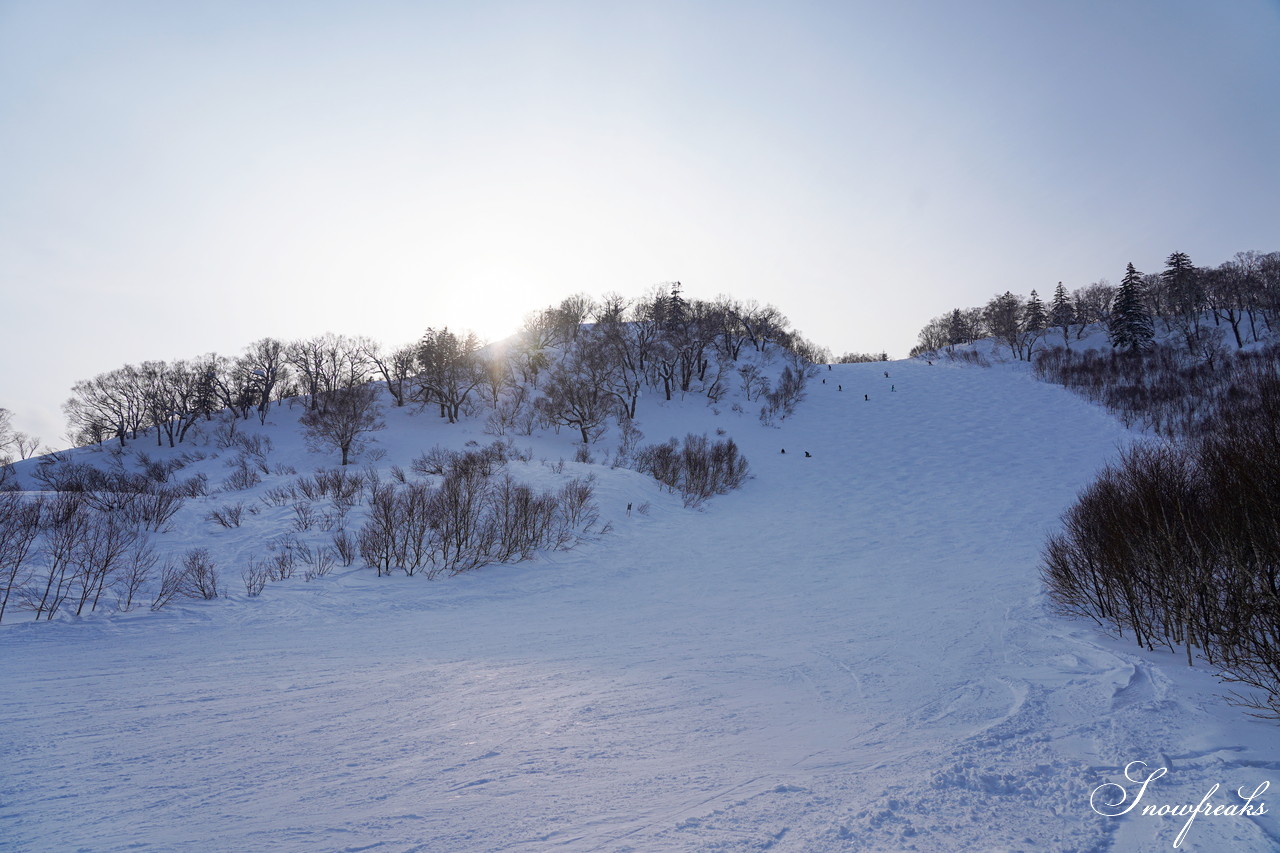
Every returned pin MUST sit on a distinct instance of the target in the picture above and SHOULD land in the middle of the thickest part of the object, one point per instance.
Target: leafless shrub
(304, 516)
(966, 356)
(194, 487)
(1179, 545)
(345, 546)
(97, 555)
(433, 462)
(698, 469)
(309, 488)
(200, 574)
(153, 511)
(282, 557)
(244, 474)
(575, 503)
(439, 461)
(1167, 390)
(255, 444)
(158, 471)
(225, 435)
(135, 573)
(20, 523)
(469, 520)
(522, 520)
(318, 562)
(783, 399)
(255, 575)
(754, 383)
(279, 496)
(512, 413)
(228, 515)
(172, 584)
(64, 524)
(341, 485)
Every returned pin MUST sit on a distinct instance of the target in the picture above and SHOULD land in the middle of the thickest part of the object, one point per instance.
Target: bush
(200, 575)
(255, 576)
(472, 518)
(697, 470)
(1163, 389)
(229, 515)
(784, 398)
(1179, 544)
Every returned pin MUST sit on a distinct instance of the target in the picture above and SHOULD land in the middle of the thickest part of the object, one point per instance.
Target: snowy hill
(850, 653)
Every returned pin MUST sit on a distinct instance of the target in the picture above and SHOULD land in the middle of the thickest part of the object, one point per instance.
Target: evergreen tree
(677, 308)
(1185, 289)
(1183, 284)
(957, 332)
(1034, 321)
(1035, 318)
(1130, 325)
(1062, 313)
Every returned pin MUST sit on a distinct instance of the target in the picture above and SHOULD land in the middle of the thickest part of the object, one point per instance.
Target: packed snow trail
(850, 654)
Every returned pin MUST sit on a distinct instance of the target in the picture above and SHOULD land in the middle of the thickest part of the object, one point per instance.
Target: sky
(181, 178)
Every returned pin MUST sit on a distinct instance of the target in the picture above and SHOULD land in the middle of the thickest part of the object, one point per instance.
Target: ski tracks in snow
(850, 654)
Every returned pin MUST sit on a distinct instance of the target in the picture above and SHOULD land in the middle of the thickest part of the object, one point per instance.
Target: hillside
(850, 653)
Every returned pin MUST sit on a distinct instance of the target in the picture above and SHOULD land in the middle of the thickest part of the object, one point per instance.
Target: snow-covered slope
(851, 653)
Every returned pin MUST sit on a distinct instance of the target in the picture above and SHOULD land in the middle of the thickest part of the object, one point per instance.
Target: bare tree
(64, 524)
(327, 363)
(14, 444)
(99, 556)
(19, 528)
(346, 417)
(265, 365)
(1093, 304)
(135, 572)
(576, 392)
(396, 368)
(762, 323)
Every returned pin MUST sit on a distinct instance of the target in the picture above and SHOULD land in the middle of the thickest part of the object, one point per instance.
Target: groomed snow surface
(852, 653)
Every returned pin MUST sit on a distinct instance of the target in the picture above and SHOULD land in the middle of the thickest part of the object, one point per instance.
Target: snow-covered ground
(850, 654)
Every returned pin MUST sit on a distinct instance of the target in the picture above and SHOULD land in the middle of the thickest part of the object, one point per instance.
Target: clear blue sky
(177, 178)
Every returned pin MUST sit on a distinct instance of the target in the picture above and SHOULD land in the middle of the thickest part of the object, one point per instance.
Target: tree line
(1237, 300)
(575, 364)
